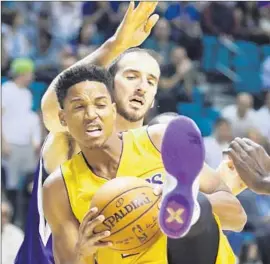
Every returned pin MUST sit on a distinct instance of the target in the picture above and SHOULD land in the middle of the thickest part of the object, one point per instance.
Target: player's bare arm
(229, 175)
(225, 205)
(73, 243)
(134, 29)
(252, 164)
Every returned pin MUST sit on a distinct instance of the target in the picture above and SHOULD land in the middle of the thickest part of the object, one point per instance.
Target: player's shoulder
(54, 192)
(55, 200)
(156, 130)
(153, 129)
(147, 135)
(54, 183)
(155, 133)
(55, 178)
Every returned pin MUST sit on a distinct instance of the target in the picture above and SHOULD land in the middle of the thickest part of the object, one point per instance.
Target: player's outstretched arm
(224, 204)
(73, 243)
(133, 30)
(252, 164)
(229, 175)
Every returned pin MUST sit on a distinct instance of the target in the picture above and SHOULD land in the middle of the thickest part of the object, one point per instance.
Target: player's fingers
(238, 149)
(144, 10)
(103, 244)
(142, 7)
(88, 217)
(244, 145)
(254, 148)
(90, 214)
(152, 7)
(129, 11)
(250, 142)
(151, 23)
(94, 223)
(232, 155)
(96, 237)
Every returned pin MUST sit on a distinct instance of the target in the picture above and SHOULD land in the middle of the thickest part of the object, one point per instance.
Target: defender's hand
(252, 164)
(136, 25)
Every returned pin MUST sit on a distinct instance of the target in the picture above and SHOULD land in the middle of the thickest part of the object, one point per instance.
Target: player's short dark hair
(220, 121)
(114, 65)
(158, 119)
(81, 73)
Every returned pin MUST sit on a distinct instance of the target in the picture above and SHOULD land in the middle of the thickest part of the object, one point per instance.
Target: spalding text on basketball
(127, 209)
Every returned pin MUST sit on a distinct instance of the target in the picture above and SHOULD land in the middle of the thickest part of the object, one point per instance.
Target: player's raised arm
(133, 30)
(224, 204)
(73, 243)
(55, 151)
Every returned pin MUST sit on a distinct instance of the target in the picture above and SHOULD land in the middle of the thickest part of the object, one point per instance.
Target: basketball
(131, 213)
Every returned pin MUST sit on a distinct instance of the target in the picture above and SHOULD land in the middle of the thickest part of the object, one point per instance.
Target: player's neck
(104, 161)
(122, 124)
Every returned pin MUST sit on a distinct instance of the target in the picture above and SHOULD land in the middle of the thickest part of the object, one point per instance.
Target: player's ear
(62, 119)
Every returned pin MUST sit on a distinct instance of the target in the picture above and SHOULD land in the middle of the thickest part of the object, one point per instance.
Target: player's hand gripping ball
(130, 207)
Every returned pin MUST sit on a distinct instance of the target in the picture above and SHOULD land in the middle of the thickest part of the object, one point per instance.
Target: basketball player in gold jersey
(59, 146)
(129, 73)
(85, 96)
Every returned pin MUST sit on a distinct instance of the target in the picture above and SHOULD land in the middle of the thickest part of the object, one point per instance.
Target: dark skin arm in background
(252, 164)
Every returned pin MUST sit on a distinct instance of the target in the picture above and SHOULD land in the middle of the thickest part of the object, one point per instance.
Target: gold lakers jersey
(139, 158)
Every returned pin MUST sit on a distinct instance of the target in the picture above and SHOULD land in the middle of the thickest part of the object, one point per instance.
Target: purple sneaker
(182, 153)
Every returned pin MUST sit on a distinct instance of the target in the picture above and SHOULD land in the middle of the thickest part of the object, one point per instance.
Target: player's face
(89, 114)
(135, 85)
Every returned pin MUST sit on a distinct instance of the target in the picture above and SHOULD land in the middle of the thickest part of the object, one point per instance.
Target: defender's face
(135, 85)
(89, 114)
